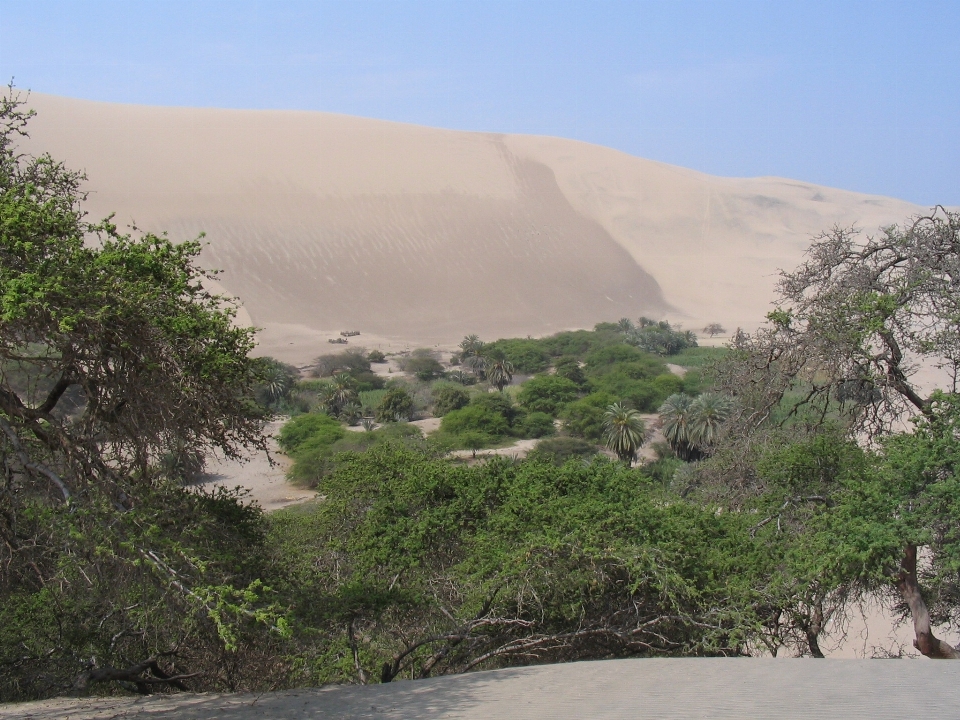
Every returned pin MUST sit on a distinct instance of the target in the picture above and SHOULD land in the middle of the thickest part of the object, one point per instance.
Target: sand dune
(325, 222)
(655, 688)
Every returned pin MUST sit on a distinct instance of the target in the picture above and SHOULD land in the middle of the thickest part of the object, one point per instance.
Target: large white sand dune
(325, 222)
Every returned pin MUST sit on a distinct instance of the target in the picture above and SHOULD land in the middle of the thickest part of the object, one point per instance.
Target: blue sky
(859, 95)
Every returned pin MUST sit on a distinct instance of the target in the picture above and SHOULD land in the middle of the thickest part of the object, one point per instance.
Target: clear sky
(859, 95)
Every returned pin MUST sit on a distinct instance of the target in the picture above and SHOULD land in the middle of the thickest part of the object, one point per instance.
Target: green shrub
(536, 425)
(577, 343)
(584, 418)
(365, 380)
(350, 361)
(561, 449)
(569, 368)
(396, 404)
(602, 358)
(660, 338)
(309, 431)
(526, 355)
(448, 397)
(422, 364)
(668, 384)
(475, 418)
(547, 393)
(375, 356)
(370, 400)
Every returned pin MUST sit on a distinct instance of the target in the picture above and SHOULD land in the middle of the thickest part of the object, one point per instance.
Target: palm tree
(692, 426)
(676, 415)
(623, 431)
(625, 326)
(709, 412)
(473, 354)
(499, 371)
(339, 394)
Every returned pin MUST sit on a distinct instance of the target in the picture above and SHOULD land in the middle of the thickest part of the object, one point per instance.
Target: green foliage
(181, 569)
(660, 338)
(536, 425)
(559, 450)
(584, 418)
(475, 418)
(315, 440)
(278, 380)
(557, 551)
(131, 367)
(448, 397)
(577, 343)
(698, 357)
(605, 356)
(370, 400)
(353, 362)
(375, 356)
(499, 370)
(423, 364)
(569, 368)
(547, 394)
(527, 356)
(623, 431)
(396, 404)
(309, 431)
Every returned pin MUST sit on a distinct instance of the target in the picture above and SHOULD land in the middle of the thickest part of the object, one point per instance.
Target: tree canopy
(113, 358)
(841, 354)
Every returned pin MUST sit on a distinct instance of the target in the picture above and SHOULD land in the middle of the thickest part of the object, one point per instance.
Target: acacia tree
(853, 325)
(113, 356)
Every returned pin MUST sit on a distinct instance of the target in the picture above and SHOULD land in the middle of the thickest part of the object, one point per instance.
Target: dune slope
(322, 222)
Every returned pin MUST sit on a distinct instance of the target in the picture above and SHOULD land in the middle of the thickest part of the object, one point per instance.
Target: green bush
(526, 355)
(536, 425)
(559, 450)
(448, 397)
(547, 393)
(584, 418)
(364, 381)
(603, 358)
(475, 418)
(660, 338)
(577, 343)
(310, 431)
(396, 404)
(375, 356)
(500, 403)
(569, 368)
(423, 367)
(370, 400)
(560, 549)
(350, 361)
(668, 384)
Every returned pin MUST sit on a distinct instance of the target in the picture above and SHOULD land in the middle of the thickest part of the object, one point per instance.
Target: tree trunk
(926, 642)
(814, 627)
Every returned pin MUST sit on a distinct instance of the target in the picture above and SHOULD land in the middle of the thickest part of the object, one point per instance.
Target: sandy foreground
(664, 689)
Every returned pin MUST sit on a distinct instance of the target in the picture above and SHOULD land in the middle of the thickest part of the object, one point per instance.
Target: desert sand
(417, 236)
(658, 689)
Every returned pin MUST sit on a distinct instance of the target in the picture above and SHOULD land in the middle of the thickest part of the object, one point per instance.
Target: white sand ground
(654, 689)
(262, 474)
(324, 222)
